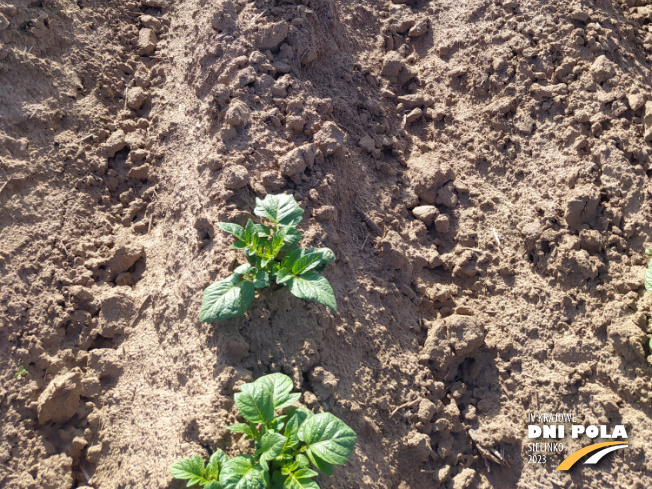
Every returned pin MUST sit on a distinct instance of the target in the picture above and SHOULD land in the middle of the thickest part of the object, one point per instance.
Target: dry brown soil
(499, 147)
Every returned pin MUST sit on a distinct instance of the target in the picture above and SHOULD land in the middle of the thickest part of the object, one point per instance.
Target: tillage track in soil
(481, 170)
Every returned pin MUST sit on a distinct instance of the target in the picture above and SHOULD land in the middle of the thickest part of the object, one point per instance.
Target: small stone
(635, 101)
(392, 64)
(425, 213)
(602, 69)
(419, 29)
(150, 22)
(442, 224)
(146, 41)
(136, 97)
(235, 177)
(414, 115)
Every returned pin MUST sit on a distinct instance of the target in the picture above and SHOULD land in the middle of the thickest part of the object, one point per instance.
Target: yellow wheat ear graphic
(599, 450)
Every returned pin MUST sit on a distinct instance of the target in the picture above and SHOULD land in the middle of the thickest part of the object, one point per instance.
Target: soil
(481, 169)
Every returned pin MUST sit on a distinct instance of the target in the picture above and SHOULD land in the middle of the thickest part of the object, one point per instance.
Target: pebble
(238, 114)
(425, 213)
(146, 41)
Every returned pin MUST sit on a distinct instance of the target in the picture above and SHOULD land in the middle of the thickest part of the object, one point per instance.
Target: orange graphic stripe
(575, 456)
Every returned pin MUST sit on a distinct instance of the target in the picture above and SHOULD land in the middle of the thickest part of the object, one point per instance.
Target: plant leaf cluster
(272, 254)
(285, 445)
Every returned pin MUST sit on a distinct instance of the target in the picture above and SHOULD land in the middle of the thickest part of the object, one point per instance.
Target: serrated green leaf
(281, 387)
(189, 468)
(241, 428)
(271, 446)
(301, 479)
(296, 417)
(225, 299)
(214, 465)
(280, 209)
(327, 438)
(242, 472)
(255, 402)
(245, 269)
(648, 278)
(213, 485)
(311, 286)
(261, 280)
(231, 228)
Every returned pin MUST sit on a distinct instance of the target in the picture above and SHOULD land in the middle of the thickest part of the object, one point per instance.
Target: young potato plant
(284, 445)
(271, 250)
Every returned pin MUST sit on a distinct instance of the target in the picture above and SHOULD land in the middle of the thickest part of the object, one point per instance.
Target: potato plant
(272, 254)
(285, 445)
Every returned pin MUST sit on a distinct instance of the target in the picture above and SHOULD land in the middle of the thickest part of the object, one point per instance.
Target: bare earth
(499, 147)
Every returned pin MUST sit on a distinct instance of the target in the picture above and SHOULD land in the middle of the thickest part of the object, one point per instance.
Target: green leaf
(648, 278)
(311, 286)
(297, 416)
(241, 428)
(292, 235)
(301, 479)
(225, 299)
(242, 472)
(234, 229)
(245, 269)
(255, 402)
(327, 438)
(238, 245)
(249, 232)
(280, 209)
(262, 230)
(213, 485)
(322, 466)
(215, 464)
(281, 387)
(261, 280)
(310, 259)
(189, 468)
(271, 446)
